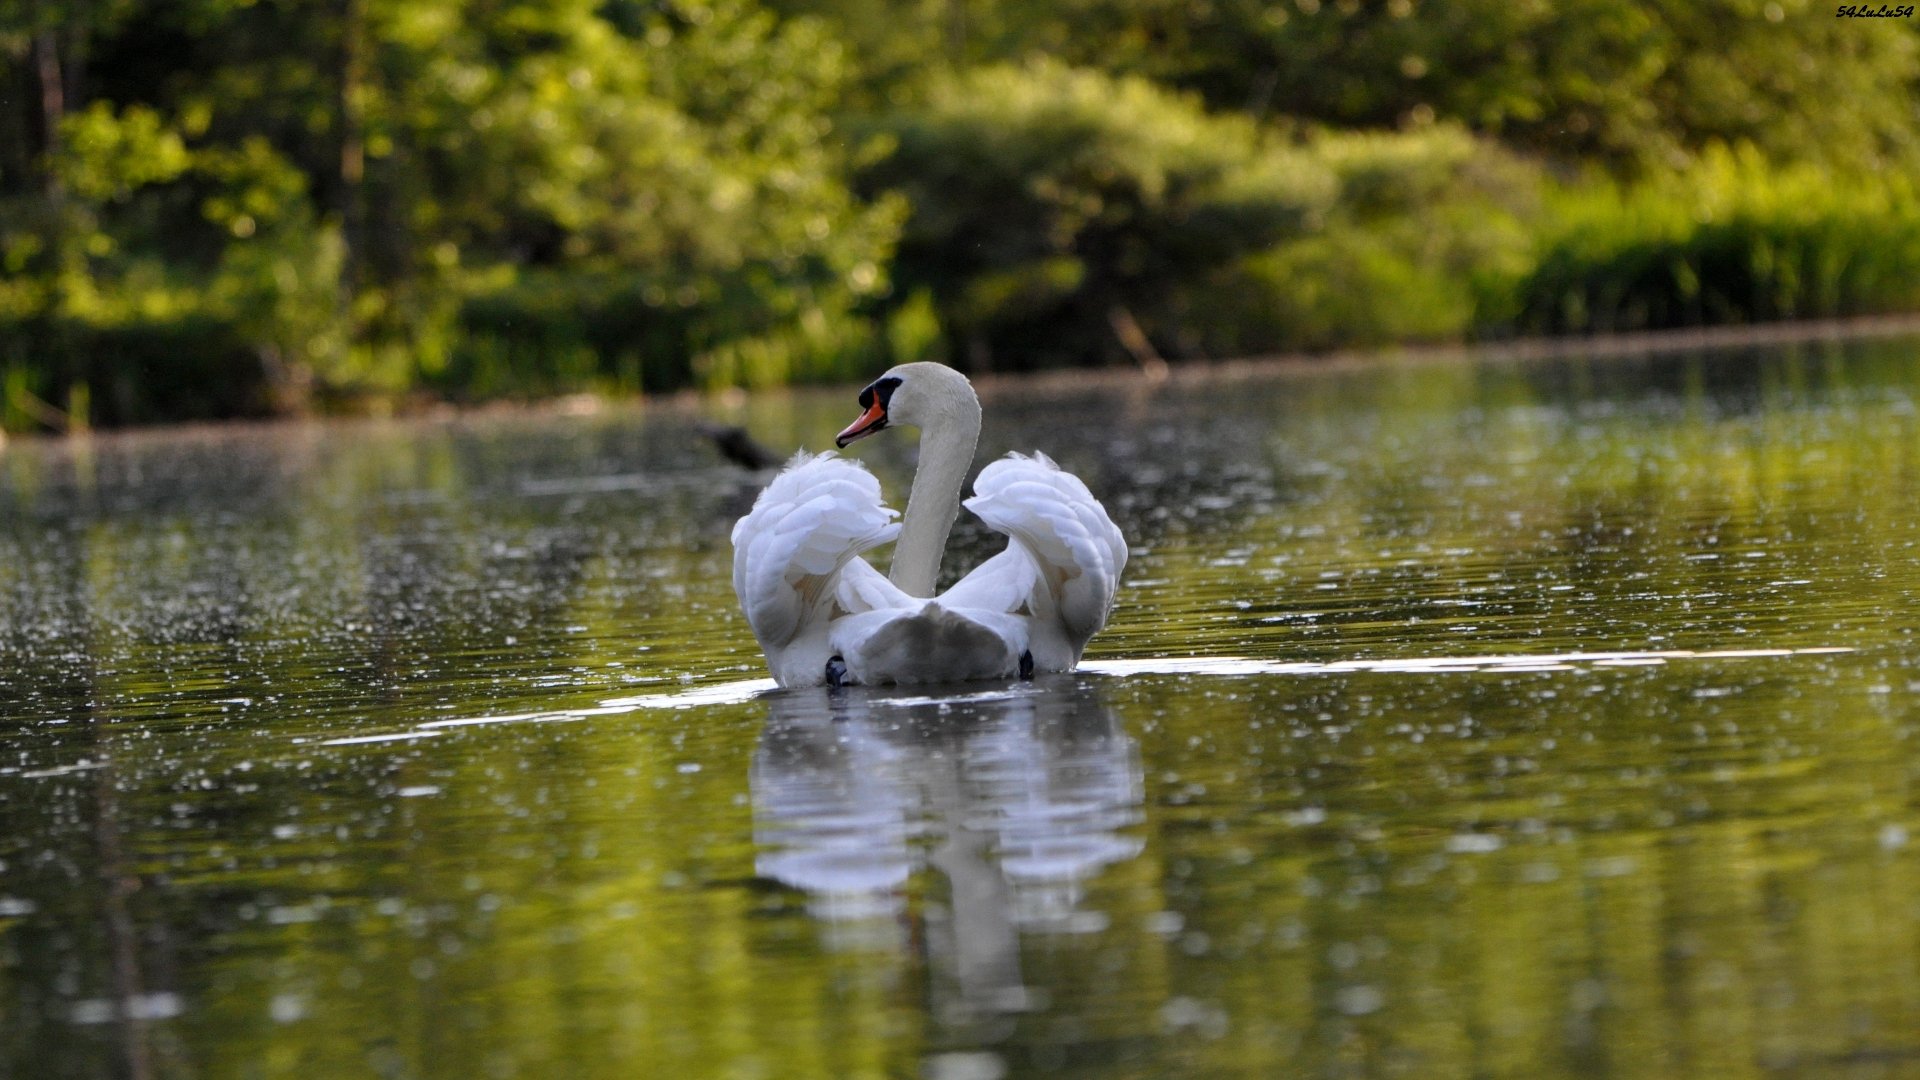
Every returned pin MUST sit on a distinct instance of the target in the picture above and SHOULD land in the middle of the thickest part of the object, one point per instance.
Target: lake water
(1525, 720)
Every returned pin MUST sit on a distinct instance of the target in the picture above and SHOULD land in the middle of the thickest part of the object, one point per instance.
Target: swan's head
(911, 395)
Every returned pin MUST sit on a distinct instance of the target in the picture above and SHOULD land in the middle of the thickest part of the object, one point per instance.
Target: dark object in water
(738, 447)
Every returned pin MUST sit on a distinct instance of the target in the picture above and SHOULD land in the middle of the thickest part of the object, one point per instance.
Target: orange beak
(870, 421)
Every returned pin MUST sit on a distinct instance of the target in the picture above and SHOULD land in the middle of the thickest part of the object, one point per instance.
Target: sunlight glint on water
(1548, 720)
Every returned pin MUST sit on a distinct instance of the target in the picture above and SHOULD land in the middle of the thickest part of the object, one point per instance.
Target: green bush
(555, 332)
(1731, 240)
(1420, 221)
(188, 367)
(1049, 201)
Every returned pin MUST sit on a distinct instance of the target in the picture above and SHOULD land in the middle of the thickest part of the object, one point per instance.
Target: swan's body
(813, 602)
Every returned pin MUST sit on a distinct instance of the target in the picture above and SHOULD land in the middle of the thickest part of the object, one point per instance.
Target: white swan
(823, 615)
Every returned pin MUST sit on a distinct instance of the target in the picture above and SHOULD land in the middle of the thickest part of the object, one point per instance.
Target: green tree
(1637, 84)
(368, 193)
(682, 159)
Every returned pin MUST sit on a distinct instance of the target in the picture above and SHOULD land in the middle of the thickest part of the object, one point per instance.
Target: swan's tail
(930, 644)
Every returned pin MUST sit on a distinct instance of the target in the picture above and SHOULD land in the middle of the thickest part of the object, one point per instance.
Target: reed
(1730, 240)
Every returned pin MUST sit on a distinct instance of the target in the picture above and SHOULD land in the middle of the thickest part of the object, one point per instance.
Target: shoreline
(1512, 350)
(1599, 346)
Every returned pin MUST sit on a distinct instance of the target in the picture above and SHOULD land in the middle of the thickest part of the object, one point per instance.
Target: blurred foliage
(224, 207)
(388, 193)
(1047, 199)
(1420, 221)
(1729, 240)
(1641, 84)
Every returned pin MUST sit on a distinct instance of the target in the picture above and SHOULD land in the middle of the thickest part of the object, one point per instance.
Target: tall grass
(1731, 240)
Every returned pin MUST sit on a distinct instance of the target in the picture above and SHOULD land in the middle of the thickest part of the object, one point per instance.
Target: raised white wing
(1075, 552)
(1002, 583)
(861, 588)
(804, 529)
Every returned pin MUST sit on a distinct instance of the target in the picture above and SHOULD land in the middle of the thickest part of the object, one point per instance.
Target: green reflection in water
(242, 835)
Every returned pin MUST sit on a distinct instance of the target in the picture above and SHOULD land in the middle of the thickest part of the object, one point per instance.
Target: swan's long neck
(947, 442)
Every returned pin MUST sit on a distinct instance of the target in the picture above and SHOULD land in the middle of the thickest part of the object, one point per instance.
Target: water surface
(1498, 720)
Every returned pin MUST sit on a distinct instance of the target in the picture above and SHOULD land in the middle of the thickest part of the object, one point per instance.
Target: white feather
(791, 550)
(809, 596)
(1075, 551)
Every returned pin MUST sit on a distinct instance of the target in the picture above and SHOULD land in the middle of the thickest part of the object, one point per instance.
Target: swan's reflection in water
(1015, 796)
